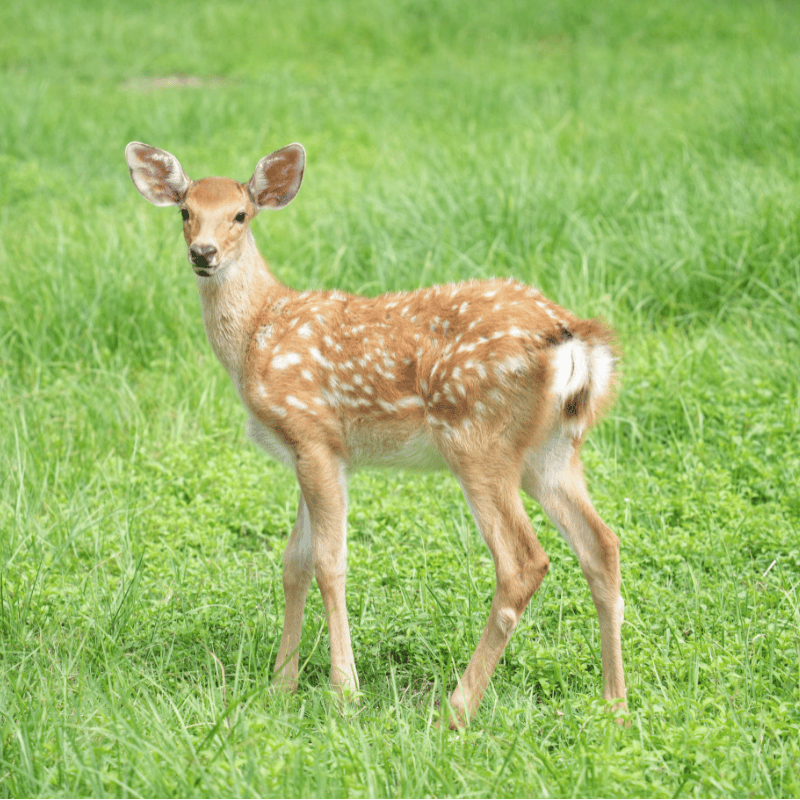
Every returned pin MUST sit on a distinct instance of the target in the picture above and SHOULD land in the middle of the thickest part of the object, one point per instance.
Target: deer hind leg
(324, 486)
(520, 565)
(553, 476)
(298, 570)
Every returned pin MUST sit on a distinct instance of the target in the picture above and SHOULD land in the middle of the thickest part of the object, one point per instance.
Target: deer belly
(393, 447)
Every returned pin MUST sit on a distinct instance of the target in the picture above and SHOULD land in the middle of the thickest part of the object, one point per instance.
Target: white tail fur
(489, 379)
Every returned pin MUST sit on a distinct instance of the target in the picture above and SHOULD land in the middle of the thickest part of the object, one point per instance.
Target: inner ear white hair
(277, 177)
(157, 174)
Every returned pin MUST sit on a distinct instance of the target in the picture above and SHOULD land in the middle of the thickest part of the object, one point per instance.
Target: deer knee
(297, 573)
(609, 547)
(330, 566)
(534, 571)
(601, 563)
(518, 588)
(506, 620)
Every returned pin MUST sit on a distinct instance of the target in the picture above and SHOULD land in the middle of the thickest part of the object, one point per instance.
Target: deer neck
(232, 300)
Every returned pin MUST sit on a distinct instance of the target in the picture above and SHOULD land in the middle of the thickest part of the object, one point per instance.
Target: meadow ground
(636, 160)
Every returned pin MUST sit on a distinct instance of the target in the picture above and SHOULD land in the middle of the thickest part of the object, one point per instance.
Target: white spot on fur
(331, 398)
(285, 360)
(319, 358)
(512, 364)
(547, 310)
(277, 307)
(415, 401)
(496, 396)
(263, 335)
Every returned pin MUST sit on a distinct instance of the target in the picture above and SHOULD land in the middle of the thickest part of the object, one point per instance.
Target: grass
(635, 160)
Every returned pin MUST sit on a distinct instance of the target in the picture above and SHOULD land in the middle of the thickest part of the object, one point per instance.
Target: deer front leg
(323, 481)
(298, 569)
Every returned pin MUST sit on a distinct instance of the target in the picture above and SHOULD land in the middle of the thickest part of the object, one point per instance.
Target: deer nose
(202, 255)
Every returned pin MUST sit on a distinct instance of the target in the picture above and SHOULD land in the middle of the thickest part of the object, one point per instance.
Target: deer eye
(240, 217)
(184, 214)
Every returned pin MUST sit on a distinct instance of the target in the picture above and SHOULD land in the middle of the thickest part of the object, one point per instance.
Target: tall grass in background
(637, 161)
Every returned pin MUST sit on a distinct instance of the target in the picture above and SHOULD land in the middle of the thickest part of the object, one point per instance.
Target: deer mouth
(202, 266)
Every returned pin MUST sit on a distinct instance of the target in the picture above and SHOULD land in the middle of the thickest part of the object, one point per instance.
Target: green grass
(636, 160)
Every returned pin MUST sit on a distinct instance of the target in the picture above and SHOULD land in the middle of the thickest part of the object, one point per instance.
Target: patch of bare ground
(153, 83)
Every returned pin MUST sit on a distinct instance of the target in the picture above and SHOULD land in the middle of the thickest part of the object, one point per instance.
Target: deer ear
(278, 177)
(157, 174)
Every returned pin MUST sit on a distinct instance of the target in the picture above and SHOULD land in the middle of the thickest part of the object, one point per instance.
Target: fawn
(488, 379)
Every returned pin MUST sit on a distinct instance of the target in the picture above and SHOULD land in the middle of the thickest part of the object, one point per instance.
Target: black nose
(202, 254)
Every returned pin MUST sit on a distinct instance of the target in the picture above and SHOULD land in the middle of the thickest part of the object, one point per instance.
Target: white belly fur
(367, 448)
